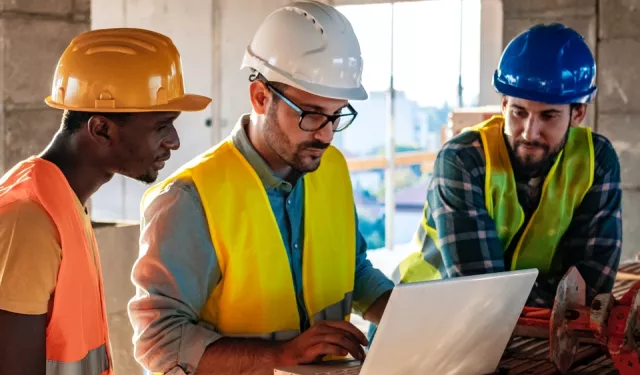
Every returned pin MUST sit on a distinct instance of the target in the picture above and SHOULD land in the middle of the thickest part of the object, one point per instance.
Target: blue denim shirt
(177, 269)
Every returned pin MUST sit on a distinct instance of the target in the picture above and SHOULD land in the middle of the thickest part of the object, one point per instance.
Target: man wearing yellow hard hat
(121, 90)
(250, 254)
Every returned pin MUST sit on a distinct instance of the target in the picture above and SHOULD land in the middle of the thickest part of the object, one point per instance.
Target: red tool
(610, 323)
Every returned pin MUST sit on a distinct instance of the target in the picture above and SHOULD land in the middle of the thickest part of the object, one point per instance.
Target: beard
(147, 178)
(292, 155)
(531, 166)
(130, 164)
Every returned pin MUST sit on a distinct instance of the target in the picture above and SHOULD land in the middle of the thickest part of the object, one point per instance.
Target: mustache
(314, 144)
(532, 144)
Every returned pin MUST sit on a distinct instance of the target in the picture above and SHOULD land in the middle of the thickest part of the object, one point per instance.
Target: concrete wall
(491, 25)
(619, 102)
(578, 14)
(612, 30)
(33, 35)
(189, 23)
(118, 251)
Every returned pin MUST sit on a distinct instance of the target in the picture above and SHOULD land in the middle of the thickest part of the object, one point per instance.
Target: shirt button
(295, 245)
(288, 201)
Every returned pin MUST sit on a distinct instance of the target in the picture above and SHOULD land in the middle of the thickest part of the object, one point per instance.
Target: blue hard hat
(547, 63)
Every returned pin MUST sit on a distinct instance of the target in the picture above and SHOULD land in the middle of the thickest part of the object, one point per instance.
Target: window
(421, 60)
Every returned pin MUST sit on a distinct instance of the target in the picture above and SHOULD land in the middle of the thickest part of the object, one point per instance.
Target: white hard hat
(310, 46)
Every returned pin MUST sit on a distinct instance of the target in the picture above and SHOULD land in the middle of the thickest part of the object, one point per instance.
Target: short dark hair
(573, 106)
(73, 121)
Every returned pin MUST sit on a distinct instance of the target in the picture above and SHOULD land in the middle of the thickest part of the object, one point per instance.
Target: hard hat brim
(275, 74)
(186, 103)
(548, 98)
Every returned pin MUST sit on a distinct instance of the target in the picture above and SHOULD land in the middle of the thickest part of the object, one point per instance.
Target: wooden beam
(424, 158)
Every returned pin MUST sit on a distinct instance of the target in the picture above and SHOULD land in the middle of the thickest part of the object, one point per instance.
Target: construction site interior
(428, 68)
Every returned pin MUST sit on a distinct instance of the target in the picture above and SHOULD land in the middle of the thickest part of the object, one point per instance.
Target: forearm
(23, 345)
(235, 356)
(166, 337)
(174, 276)
(599, 276)
(376, 310)
(543, 293)
(593, 242)
(467, 250)
(467, 240)
(370, 287)
(594, 248)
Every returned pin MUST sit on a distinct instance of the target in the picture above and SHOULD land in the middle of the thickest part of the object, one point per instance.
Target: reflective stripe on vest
(256, 296)
(337, 310)
(333, 312)
(564, 187)
(76, 334)
(95, 363)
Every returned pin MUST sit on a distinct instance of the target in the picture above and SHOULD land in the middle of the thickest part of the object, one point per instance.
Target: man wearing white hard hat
(250, 254)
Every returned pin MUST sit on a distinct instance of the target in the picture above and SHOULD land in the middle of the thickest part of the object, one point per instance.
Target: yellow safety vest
(565, 186)
(256, 296)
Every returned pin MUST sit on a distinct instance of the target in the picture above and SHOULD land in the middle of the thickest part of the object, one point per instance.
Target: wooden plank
(423, 158)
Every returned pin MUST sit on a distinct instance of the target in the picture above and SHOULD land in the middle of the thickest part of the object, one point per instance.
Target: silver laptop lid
(454, 326)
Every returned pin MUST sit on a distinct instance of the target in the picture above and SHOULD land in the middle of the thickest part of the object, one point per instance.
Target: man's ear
(578, 114)
(259, 98)
(503, 102)
(101, 129)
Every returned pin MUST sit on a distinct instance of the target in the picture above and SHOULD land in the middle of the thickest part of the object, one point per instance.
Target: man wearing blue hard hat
(531, 188)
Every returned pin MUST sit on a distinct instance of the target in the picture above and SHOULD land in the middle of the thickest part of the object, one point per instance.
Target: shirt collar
(241, 140)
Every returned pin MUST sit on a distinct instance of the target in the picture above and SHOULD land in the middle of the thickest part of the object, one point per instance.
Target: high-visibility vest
(564, 188)
(77, 339)
(256, 296)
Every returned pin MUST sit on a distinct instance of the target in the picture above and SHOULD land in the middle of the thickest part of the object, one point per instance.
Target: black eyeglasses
(311, 121)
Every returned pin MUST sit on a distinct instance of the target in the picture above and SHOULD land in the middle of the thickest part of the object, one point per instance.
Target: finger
(321, 349)
(322, 330)
(334, 336)
(349, 327)
(345, 341)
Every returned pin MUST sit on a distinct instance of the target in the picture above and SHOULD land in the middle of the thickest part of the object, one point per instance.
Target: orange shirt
(30, 256)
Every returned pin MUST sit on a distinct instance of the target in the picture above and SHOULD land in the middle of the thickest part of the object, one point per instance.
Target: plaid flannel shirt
(468, 238)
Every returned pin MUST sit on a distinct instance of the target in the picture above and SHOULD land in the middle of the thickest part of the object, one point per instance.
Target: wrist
(282, 354)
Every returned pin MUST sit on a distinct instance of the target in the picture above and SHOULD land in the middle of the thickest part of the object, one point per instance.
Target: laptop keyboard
(344, 371)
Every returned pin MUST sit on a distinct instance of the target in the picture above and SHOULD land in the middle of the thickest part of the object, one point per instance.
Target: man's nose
(172, 142)
(531, 131)
(325, 135)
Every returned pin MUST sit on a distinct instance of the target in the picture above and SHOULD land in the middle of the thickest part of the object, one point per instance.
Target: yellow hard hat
(121, 70)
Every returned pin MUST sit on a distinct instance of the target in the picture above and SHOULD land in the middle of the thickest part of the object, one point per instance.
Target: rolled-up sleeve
(174, 276)
(370, 282)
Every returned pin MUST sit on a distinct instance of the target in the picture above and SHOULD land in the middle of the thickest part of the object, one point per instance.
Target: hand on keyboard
(337, 338)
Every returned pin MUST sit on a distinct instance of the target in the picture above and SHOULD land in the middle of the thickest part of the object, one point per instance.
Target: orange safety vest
(77, 338)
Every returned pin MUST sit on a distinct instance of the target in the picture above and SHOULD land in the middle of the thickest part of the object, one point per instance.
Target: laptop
(446, 327)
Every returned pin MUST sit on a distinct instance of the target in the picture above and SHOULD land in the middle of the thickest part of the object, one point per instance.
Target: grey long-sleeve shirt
(177, 269)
